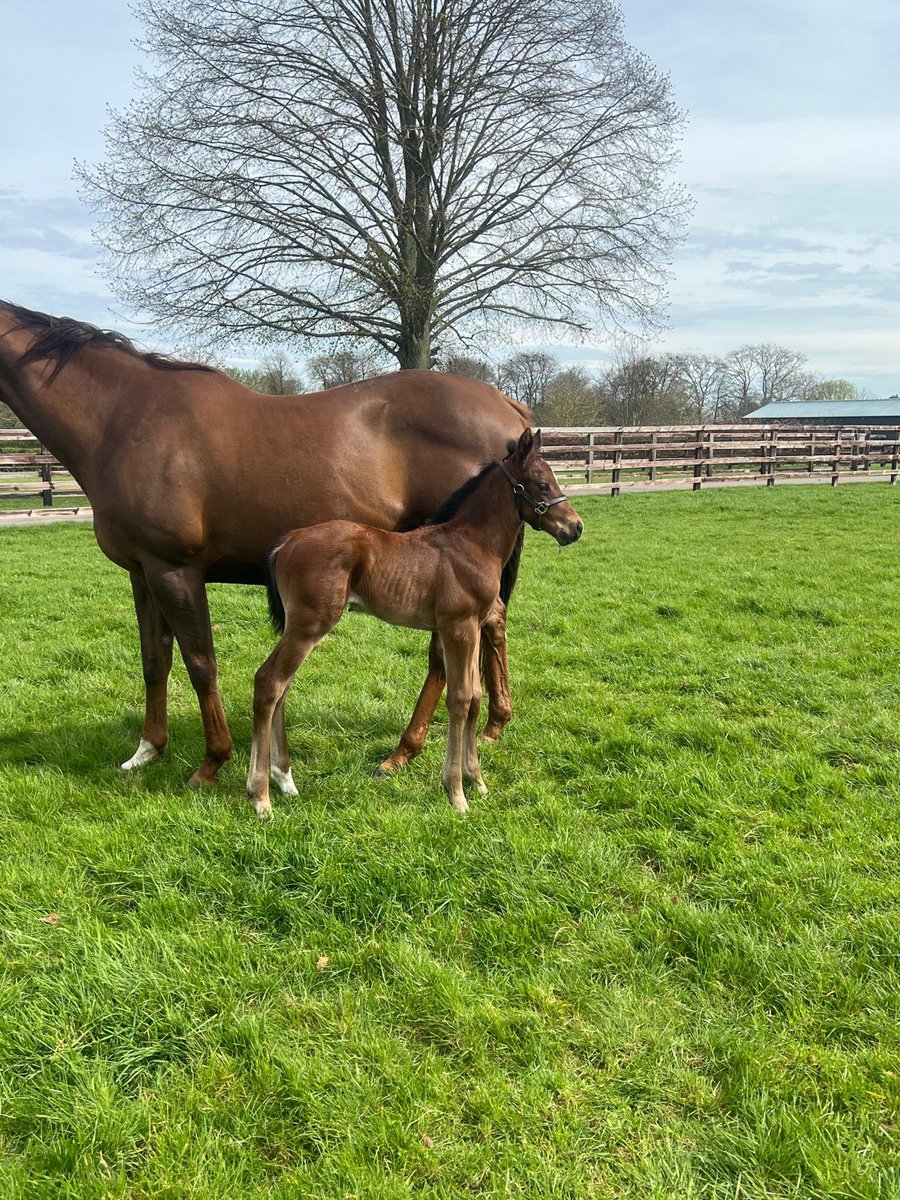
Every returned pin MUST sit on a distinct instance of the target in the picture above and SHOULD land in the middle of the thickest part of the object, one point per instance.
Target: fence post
(654, 437)
(589, 473)
(698, 459)
(773, 456)
(895, 456)
(47, 477)
(812, 451)
(836, 461)
(617, 459)
(710, 459)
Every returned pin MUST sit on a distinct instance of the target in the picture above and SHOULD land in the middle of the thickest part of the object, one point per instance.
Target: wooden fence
(590, 460)
(33, 482)
(610, 460)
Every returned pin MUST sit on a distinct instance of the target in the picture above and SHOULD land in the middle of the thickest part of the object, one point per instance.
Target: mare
(192, 478)
(444, 577)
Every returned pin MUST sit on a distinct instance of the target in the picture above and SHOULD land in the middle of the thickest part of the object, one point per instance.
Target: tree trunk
(414, 346)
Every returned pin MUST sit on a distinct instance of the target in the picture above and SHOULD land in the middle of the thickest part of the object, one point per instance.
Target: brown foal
(443, 576)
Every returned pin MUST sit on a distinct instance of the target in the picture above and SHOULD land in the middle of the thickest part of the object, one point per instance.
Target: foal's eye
(544, 487)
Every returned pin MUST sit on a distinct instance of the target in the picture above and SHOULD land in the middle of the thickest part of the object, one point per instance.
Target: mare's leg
(461, 659)
(156, 656)
(495, 664)
(269, 690)
(181, 595)
(279, 753)
(417, 730)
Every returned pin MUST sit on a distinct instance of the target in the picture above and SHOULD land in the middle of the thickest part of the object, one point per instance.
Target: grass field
(661, 959)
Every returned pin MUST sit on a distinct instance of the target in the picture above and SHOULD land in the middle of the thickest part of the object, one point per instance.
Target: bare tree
(526, 377)
(571, 399)
(762, 373)
(473, 368)
(704, 380)
(389, 170)
(781, 372)
(279, 376)
(644, 389)
(741, 384)
(341, 366)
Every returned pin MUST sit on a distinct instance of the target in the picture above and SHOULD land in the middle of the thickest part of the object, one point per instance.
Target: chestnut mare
(444, 577)
(193, 477)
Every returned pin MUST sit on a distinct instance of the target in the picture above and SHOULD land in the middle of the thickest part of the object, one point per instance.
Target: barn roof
(838, 409)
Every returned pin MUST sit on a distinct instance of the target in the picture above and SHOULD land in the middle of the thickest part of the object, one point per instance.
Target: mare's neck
(68, 415)
(489, 516)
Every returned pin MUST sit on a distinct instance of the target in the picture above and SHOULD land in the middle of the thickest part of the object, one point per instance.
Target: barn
(830, 412)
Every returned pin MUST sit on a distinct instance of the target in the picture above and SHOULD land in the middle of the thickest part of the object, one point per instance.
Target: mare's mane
(452, 504)
(60, 337)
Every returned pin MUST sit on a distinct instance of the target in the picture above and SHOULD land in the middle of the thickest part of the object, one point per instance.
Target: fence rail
(587, 459)
(34, 474)
(666, 457)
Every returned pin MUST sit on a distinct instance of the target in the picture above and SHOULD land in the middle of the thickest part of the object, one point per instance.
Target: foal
(443, 576)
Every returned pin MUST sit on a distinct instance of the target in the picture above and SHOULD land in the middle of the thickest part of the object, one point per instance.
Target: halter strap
(539, 506)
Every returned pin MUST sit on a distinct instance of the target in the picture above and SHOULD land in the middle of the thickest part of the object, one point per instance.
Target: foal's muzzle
(567, 534)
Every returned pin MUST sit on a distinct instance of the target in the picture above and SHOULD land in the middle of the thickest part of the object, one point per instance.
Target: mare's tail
(510, 571)
(276, 604)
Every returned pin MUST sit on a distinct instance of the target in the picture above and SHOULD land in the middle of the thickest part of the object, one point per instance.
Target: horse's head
(540, 498)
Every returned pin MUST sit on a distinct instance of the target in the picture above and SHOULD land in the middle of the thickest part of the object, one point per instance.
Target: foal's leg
(471, 767)
(417, 730)
(279, 753)
(156, 656)
(269, 690)
(181, 595)
(461, 658)
(495, 664)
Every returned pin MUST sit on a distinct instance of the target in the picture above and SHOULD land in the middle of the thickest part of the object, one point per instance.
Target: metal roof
(798, 409)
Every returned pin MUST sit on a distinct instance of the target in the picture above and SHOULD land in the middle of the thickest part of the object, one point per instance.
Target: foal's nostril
(579, 529)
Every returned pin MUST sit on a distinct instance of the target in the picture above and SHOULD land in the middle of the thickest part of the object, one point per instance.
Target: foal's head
(539, 497)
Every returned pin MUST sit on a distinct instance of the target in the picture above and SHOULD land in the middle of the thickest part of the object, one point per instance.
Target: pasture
(660, 959)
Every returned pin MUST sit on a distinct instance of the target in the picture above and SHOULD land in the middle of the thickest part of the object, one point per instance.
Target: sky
(791, 152)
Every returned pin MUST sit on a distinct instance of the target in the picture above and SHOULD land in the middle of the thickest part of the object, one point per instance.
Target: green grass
(661, 959)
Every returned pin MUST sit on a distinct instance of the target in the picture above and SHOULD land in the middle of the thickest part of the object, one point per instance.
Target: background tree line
(637, 388)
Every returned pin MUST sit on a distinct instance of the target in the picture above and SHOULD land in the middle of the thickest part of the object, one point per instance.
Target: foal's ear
(526, 444)
(536, 449)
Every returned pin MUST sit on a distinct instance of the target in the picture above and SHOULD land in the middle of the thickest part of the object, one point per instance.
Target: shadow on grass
(341, 741)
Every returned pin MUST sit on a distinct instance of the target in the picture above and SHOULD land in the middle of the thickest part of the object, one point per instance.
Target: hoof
(284, 781)
(460, 806)
(480, 787)
(201, 781)
(263, 809)
(388, 767)
(145, 753)
(491, 733)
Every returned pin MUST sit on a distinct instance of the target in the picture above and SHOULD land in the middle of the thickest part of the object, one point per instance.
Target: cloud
(57, 225)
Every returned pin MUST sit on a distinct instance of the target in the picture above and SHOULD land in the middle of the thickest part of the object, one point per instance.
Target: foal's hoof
(263, 809)
(491, 732)
(389, 766)
(201, 781)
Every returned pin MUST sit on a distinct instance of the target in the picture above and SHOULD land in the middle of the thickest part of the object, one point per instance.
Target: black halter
(539, 506)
